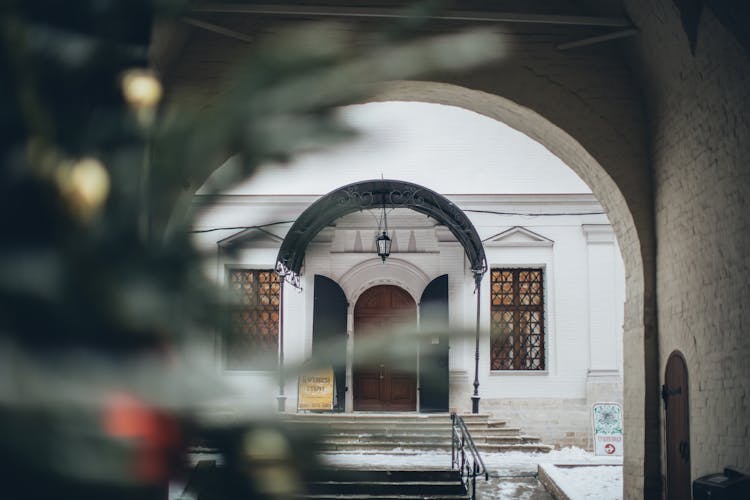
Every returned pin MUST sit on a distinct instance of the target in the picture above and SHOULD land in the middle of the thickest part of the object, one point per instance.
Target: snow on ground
(512, 474)
(603, 482)
(503, 464)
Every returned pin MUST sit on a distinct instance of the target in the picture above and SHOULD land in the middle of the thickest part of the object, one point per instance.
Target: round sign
(609, 448)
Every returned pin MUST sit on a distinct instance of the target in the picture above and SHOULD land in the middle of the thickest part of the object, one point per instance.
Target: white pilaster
(604, 377)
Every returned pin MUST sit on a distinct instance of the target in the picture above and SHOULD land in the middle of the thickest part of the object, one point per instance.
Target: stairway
(382, 484)
(384, 432)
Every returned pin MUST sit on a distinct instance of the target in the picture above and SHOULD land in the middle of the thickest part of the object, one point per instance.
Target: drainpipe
(475, 397)
(281, 398)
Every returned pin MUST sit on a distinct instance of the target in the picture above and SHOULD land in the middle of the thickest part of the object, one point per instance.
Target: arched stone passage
(613, 164)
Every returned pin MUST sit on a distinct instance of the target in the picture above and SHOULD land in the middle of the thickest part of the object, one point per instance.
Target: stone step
(335, 418)
(384, 415)
(402, 440)
(480, 434)
(384, 497)
(380, 484)
(380, 441)
(424, 488)
(385, 474)
(390, 446)
(505, 439)
(416, 426)
(498, 431)
(496, 423)
(375, 425)
(385, 432)
(525, 447)
(478, 431)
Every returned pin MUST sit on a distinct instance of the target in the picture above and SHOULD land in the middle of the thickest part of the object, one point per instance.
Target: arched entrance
(375, 194)
(613, 164)
(385, 379)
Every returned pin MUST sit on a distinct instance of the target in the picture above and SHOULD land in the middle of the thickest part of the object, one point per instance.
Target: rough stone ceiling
(198, 52)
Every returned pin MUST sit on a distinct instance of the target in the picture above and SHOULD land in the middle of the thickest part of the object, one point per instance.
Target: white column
(349, 400)
(602, 296)
(604, 377)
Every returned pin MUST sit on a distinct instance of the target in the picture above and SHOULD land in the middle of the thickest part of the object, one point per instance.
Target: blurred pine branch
(95, 255)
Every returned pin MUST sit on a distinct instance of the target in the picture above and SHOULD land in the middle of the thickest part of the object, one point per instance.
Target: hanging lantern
(383, 245)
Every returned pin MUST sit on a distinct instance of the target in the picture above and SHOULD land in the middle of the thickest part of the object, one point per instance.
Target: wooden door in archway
(676, 404)
(382, 381)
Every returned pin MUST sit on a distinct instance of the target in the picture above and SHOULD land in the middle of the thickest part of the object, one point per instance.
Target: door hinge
(684, 450)
(666, 392)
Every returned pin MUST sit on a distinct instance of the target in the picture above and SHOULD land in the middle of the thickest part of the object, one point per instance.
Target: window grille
(253, 326)
(517, 319)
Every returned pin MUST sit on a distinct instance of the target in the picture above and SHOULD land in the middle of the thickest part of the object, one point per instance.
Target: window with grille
(517, 319)
(253, 325)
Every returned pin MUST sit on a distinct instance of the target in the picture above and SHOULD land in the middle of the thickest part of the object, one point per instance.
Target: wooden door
(675, 395)
(381, 381)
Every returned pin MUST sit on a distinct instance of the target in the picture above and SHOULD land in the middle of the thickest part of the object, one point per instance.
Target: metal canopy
(374, 194)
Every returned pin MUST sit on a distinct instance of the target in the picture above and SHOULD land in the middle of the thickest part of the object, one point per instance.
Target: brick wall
(699, 113)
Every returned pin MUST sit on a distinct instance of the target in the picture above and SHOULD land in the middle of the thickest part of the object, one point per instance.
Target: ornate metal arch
(374, 194)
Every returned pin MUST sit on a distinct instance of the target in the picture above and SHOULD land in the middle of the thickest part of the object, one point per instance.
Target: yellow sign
(316, 390)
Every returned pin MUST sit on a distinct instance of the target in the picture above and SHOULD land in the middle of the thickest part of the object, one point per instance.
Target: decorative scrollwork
(352, 196)
(406, 198)
(286, 274)
(374, 194)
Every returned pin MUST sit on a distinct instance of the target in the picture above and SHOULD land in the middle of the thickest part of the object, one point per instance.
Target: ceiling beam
(215, 28)
(384, 13)
(598, 39)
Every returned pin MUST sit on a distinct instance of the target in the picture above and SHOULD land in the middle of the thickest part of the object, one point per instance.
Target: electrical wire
(492, 212)
(533, 214)
(236, 228)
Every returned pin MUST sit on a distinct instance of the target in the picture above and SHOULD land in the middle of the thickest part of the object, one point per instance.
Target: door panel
(402, 388)
(433, 356)
(368, 388)
(383, 383)
(676, 404)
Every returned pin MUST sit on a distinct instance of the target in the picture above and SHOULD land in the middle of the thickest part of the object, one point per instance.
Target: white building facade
(550, 306)
(551, 292)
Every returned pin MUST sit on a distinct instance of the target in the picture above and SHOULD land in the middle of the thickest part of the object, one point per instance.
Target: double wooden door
(385, 375)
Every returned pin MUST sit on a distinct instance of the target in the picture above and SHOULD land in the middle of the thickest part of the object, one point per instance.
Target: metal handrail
(469, 465)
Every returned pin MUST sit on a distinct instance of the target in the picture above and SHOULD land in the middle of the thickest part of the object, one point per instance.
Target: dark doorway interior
(329, 331)
(433, 352)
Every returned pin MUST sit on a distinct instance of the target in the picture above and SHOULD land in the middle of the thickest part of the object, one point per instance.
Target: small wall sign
(315, 391)
(607, 422)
